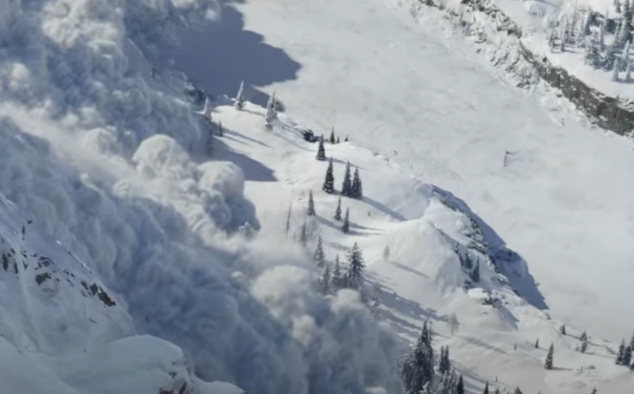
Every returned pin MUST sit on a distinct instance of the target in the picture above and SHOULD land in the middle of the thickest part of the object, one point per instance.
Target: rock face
(610, 113)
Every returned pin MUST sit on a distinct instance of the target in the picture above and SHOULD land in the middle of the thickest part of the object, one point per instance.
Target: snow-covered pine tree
(271, 113)
(338, 210)
(594, 391)
(288, 218)
(321, 150)
(356, 191)
(562, 329)
(332, 136)
(602, 34)
(311, 204)
(386, 252)
(329, 182)
(356, 267)
(628, 69)
(325, 280)
(209, 145)
(345, 227)
(346, 140)
(208, 109)
(617, 6)
(444, 363)
(336, 278)
(346, 186)
(303, 235)
(615, 70)
(338, 140)
(474, 274)
(418, 368)
(562, 44)
(497, 390)
(486, 388)
(537, 344)
(584, 336)
(221, 130)
(620, 354)
(549, 358)
(584, 345)
(453, 323)
(632, 342)
(239, 103)
(624, 33)
(319, 256)
(460, 386)
(627, 356)
(517, 391)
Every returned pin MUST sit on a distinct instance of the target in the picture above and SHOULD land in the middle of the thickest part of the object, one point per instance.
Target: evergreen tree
(208, 109)
(386, 252)
(239, 103)
(418, 368)
(346, 140)
(336, 278)
(356, 190)
(632, 342)
(445, 363)
(517, 391)
(345, 227)
(460, 386)
(537, 344)
(311, 204)
(356, 267)
(221, 131)
(332, 136)
(628, 70)
(209, 146)
(594, 390)
(347, 184)
(562, 329)
(549, 358)
(288, 218)
(319, 256)
(497, 390)
(329, 182)
(271, 113)
(620, 354)
(602, 34)
(326, 280)
(338, 210)
(584, 346)
(486, 388)
(321, 151)
(627, 356)
(474, 274)
(338, 140)
(584, 336)
(303, 235)
(615, 70)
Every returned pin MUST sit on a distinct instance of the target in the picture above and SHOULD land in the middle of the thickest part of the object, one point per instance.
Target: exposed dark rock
(41, 278)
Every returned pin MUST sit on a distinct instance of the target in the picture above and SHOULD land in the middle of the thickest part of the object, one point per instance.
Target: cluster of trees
(351, 187)
(576, 31)
(624, 355)
(335, 276)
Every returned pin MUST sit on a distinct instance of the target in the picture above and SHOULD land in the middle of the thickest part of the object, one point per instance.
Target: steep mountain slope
(417, 93)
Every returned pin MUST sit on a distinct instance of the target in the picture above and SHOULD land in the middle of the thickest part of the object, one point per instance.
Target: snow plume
(96, 148)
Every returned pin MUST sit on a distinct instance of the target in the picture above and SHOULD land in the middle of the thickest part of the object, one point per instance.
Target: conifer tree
(346, 140)
(386, 252)
(584, 345)
(460, 386)
(517, 391)
(627, 356)
(615, 70)
(356, 267)
(332, 136)
(338, 140)
(497, 390)
(239, 103)
(628, 70)
(221, 131)
(562, 329)
(486, 388)
(329, 182)
(303, 235)
(418, 368)
(345, 227)
(326, 280)
(311, 204)
(474, 274)
(319, 256)
(632, 342)
(271, 113)
(338, 210)
(621, 353)
(549, 358)
(209, 146)
(347, 183)
(336, 278)
(321, 151)
(602, 34)
(584, 336)
(356, 190)
(444, 363)
(537, 344)
(288, 218)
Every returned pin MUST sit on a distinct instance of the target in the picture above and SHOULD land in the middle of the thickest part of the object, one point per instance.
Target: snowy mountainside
(63, 331)
(430, 233)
